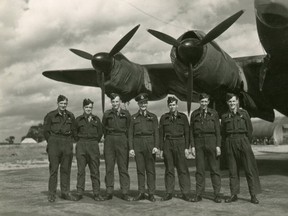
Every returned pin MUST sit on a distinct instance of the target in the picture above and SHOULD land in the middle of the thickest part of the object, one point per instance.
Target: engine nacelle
(214, 72)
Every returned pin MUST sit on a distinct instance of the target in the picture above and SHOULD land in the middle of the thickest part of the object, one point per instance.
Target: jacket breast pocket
(150, 125)
(180, 127)
(197, 123)
(211, 124)
(55, 124)
(229, 124)
(123, 122)
(241, 124)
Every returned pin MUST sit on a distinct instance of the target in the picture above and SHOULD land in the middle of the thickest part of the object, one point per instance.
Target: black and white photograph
(151, 107)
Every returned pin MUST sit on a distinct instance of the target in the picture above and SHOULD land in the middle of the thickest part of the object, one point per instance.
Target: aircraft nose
(273, 13)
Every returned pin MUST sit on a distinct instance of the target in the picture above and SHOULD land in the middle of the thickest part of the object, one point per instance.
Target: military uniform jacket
(202, 124)
(116, 122)
(144, 126)
(59, 124)
(174, 126)
(89, 130)
(236, 123)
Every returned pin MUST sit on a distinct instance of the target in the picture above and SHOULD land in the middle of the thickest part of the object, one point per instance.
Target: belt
(236, 135)
(116, 132)
(61, 135)
(143, 135)
(204, 134)
(88, 139)
(174, 136)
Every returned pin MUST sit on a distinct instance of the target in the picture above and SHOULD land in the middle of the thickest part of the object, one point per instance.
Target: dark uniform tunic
(237, 133)
(89, 133)
(143, 137)
(59, 132)
(205, 137)
(174, 139)
(116, 125)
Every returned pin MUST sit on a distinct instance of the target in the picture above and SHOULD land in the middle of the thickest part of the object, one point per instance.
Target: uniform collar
(65, 112)
(199, 111)
(84, 116)
(147, 113)
(120, 111)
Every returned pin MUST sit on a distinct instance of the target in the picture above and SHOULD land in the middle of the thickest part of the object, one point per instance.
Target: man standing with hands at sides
(206, 142)
(143, 143)
(89, 134)
(174, 145)
(116, 123)
(60, 133)
(236, 128)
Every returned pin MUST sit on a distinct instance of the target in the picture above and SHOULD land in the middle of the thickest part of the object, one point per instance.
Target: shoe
(126, 197)
(196, 198)
(141, 196)
(254, 200)
(217, 199)
(151, 198)
(78, 196)
(69, 196)
(108, 197)
(168, 196)
(98, 197)
(232, 198)
(51, 198)
(186, 197)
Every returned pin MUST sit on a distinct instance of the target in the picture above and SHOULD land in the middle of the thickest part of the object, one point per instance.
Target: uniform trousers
(174, 156)
(60, 152)
(205, 147)
(145, 163)
(239, 152)
(87, 152)
(116, 150)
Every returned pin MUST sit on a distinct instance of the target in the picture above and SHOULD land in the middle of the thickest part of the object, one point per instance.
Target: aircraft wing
(84, 76)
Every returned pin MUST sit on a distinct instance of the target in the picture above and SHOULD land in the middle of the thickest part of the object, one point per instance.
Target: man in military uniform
(60, 132)
(143, 143)
(89, 134)
(236, 128)
(206, 142)
(116, 123)
(174, 145)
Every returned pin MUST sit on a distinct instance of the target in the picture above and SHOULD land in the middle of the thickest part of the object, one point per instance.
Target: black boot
(109, 196)
(196, 198)
(51, 197)
(254, 199)
(168, 196)
(140, 196)
(126, 197)
(151, 198)
(217, 199)
(232, 198)
(98, 197)
(69, 196)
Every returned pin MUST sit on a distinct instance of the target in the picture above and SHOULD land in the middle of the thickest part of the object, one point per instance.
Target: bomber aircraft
(198, 64)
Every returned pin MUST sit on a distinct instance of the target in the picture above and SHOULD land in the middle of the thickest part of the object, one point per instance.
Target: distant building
(276, 132)
(28, 140)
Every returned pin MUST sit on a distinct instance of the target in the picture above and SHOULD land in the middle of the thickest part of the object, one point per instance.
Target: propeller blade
(189, 88)
(82, 54)
(123, 41)
(164, 37)
(219, 29)
(103, 92)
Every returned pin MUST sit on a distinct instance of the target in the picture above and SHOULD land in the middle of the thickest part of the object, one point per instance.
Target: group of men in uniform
(142, 137)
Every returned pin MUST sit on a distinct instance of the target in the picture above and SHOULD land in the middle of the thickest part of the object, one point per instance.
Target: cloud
(37, 34)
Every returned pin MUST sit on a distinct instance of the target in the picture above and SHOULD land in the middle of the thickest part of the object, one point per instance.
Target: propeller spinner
(190, 49)
(103, 62)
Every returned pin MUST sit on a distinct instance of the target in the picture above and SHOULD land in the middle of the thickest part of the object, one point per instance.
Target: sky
(36, 36)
